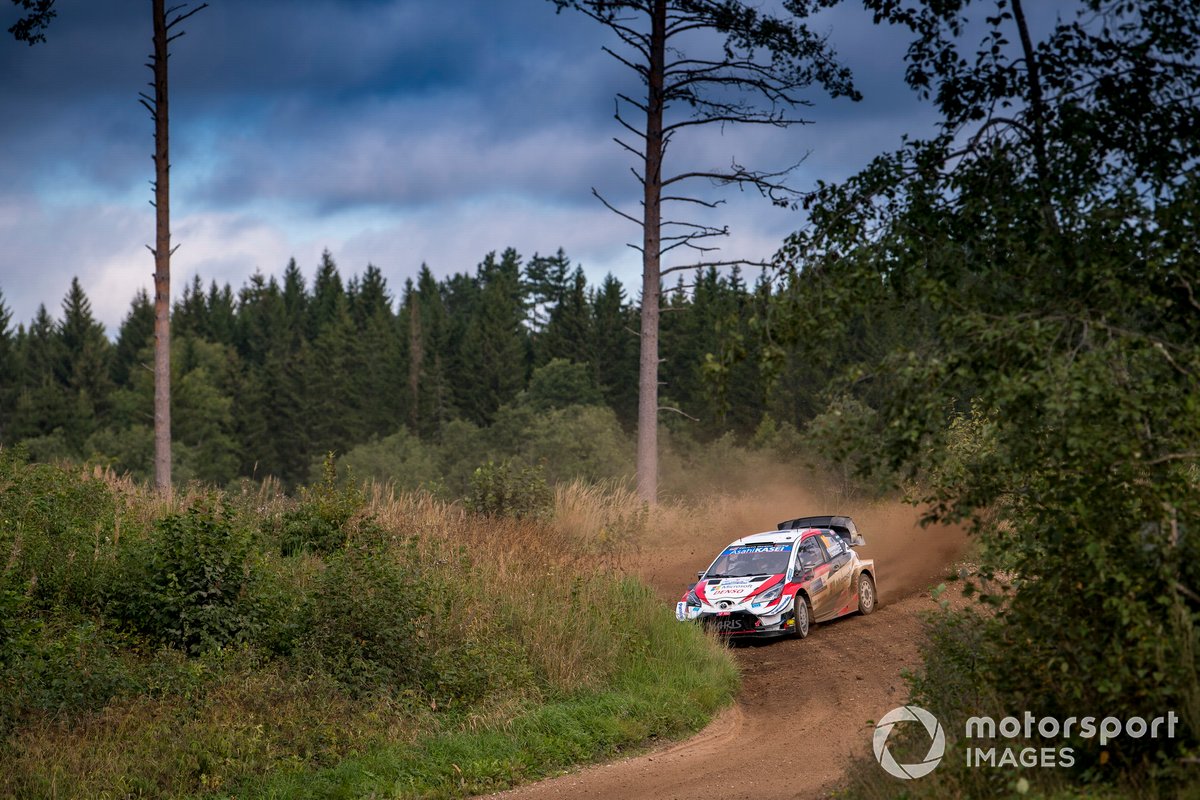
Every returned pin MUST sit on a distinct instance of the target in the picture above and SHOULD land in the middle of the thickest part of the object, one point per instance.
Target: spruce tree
(9, 374)
(495, 350)
(135, 335)
(222, 317)
(41, 406)
(425, 331)
(335, 398)
(547, 281)
(616, 349)
(327, 297)
(568, 334)
(83, 368)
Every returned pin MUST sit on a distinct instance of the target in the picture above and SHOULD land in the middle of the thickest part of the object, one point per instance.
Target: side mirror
(700, 575)
(857, 540)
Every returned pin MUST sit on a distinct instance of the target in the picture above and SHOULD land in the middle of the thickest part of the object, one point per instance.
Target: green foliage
(400, 459)
(154, 649)
(505, 490)
(370, 618)
(1047, 394)
(185, 586)
(321, 520)
(57, 531)
(63, 668)
(576, 442)
(560, 383)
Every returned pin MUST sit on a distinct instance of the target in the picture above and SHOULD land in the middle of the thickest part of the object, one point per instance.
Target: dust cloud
(684, 538)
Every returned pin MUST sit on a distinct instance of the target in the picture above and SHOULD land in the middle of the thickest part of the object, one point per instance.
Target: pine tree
(260, 329)
(495, 350)
(327, 296)
(425, 332)
(335, 398)
(9, 374)
(222, 318)
(371, 297)
(83, 368)
(547, 281)
(295, 297)
(384, 368)
(134, 337)
(568, 334)
(616, 349)
(189, 317)
(42, 404)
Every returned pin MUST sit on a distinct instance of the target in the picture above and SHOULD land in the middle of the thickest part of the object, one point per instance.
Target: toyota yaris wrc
(781, 582)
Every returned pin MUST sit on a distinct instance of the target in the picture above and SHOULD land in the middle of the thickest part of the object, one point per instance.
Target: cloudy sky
(392, 132)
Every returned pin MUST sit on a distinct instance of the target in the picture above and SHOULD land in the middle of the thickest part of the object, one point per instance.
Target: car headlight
(692, 598)
(770, 594)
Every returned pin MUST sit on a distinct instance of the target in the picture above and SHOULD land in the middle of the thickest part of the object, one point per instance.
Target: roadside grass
(346, 642)
(655, 697)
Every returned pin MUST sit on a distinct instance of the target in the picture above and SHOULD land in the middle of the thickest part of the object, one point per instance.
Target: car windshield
(754, 559)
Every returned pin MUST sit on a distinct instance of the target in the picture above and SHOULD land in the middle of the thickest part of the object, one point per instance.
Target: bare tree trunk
(647, 450)
(162, 256)
(1038, 113)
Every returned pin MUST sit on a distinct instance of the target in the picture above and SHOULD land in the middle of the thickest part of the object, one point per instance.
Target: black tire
(801, 617)
(867, 596)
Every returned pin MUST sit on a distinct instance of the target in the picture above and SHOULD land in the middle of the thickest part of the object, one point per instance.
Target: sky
(391, 132)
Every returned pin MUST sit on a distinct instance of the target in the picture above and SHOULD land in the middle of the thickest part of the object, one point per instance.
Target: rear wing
(842, 526)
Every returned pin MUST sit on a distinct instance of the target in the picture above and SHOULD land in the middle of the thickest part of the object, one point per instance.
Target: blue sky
(393, 132)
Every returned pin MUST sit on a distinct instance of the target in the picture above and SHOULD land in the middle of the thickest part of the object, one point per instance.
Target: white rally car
(783, 581)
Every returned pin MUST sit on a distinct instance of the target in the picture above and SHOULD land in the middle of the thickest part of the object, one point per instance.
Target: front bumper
(741, 620)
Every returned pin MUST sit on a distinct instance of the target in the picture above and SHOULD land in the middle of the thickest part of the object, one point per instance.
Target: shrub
(185, 587)
(56, 534)
(400, 459)
(62, 666)
(505, 490)
(320, 523)
(369, 619)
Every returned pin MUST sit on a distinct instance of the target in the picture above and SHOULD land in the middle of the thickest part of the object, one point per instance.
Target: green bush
(320, 523)
(561, 383)
(369, 619)
(400, 459)
(56, 534)
(185, 587)
(505, 490)
(62, 667)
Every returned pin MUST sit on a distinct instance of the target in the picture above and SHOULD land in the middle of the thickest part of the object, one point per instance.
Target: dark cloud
(403, 131)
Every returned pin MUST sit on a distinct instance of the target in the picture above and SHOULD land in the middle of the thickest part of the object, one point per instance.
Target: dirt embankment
(805, 706)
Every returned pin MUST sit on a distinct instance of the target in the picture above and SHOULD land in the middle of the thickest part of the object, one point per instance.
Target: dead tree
(700, 63)
(31, 28)
(166, 21)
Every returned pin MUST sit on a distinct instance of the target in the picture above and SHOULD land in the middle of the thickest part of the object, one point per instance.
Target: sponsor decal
(758, 548)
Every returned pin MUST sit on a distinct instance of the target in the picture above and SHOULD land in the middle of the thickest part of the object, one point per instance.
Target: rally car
(781, 582)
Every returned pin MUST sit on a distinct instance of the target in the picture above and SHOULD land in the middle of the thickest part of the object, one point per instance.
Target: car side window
(810, 554)
(833, 543)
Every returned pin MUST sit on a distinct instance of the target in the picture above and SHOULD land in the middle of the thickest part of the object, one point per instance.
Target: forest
(427, 383)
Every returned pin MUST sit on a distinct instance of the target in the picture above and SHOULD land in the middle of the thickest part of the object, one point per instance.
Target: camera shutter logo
(937, 748)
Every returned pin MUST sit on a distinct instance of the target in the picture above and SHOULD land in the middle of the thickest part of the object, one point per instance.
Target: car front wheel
(802, 617)
(866, 594)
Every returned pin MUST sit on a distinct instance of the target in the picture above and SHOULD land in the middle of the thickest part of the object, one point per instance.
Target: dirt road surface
(806, 706)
